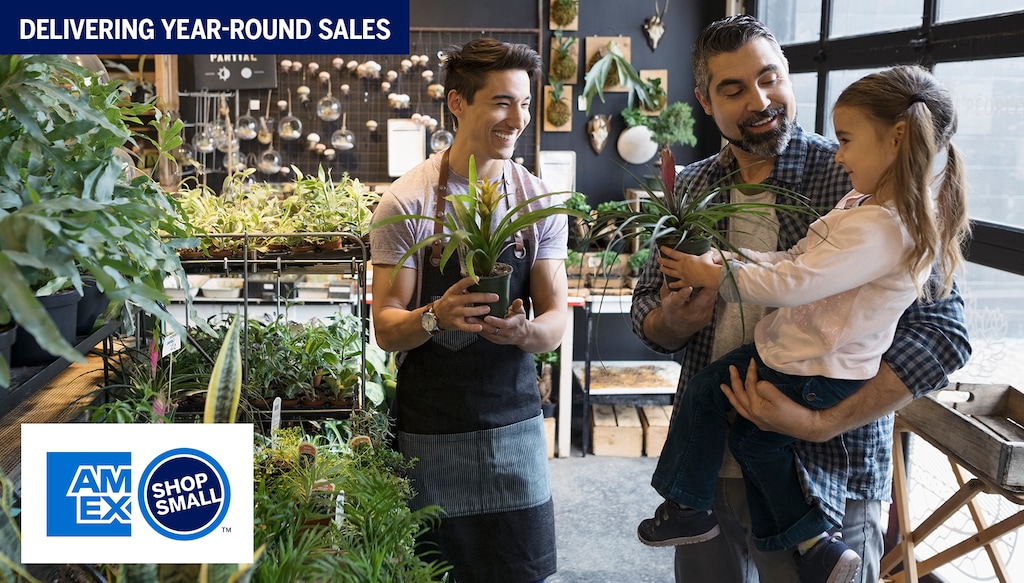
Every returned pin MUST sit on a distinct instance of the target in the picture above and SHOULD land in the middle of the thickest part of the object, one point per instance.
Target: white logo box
(198, 509)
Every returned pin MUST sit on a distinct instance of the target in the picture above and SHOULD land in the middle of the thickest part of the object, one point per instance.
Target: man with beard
(843, 453)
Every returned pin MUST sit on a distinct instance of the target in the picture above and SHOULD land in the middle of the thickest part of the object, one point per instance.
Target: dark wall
(474, 13)
(600, 177)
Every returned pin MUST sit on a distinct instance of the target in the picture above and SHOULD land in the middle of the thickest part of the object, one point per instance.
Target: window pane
(805, 87)
(990, 104)
(837, 81)
(995, 322)
(856, 17)
(792, 21)
(963, 9)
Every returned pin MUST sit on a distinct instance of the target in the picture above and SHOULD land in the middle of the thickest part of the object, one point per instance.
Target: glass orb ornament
(328, 108)
(269, 162)
(290, 128)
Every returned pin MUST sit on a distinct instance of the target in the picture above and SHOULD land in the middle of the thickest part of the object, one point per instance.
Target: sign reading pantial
(160, 493)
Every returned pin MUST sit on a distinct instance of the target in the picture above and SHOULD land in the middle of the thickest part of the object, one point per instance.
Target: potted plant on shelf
(71, 201)
(474, 231)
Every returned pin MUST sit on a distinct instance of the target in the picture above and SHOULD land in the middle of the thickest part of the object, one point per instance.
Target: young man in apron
(467, 405)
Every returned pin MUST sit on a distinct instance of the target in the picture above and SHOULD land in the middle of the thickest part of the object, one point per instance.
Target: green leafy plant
(638, 259)
(612, 68)
(473, 230)
(71, 202)
(11, 568)
(689, 219)
(674, 125)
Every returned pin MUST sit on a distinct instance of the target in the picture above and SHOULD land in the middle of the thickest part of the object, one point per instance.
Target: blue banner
(345, 27)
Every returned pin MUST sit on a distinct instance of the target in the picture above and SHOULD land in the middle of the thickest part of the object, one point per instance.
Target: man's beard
(764, 144)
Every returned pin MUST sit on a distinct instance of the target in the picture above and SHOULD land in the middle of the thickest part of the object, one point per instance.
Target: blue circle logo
(184, 494)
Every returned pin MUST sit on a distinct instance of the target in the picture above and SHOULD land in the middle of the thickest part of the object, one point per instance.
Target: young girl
(840, 292)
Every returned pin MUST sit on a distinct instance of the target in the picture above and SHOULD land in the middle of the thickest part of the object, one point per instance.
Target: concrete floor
(598, 503)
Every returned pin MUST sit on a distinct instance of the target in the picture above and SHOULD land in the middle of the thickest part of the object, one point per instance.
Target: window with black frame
(976, 49)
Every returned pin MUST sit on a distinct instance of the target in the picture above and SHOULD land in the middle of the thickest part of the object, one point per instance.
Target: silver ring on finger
(496, 330)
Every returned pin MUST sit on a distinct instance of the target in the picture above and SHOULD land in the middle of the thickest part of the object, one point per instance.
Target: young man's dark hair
(466, 66)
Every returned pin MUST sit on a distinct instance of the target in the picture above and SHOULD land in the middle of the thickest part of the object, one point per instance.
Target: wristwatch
(429, 320)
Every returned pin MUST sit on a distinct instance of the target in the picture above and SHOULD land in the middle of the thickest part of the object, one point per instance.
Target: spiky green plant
(472, 227)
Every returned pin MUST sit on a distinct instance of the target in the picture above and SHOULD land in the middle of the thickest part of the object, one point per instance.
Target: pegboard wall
(366, 100)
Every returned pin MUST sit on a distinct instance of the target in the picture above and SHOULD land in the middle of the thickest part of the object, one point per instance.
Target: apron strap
(442, 192)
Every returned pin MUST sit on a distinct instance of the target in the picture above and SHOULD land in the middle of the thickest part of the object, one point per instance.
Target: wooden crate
(549, 433)
(654, 419)
(616, 431)
(978, 425)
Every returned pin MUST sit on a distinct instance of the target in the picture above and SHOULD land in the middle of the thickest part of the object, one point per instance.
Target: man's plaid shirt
(931, 340)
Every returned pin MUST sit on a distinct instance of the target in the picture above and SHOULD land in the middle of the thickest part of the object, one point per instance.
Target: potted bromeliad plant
(477, 233)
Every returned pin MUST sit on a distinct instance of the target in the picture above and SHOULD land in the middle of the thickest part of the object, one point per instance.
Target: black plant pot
(692, 246)
(63, 310)
(93, 303)
(7, 338)
(498, 284)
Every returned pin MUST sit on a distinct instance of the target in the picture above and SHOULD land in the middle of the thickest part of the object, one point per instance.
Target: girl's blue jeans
(687, 471)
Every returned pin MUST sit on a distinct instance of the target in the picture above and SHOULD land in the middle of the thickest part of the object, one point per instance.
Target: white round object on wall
(636, 146)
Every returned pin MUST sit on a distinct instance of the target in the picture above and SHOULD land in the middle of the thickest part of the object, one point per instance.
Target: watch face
(429, 321)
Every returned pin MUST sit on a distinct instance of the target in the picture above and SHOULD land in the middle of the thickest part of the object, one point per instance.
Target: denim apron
(469, 412)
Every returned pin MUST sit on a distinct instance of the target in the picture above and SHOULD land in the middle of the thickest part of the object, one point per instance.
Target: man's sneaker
(828, 561)
(673, 526)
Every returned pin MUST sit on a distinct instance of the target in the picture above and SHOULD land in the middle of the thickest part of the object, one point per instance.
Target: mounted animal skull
(654, 27)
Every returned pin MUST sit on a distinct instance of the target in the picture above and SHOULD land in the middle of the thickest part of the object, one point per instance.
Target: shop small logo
(184, 494)
(88, 494)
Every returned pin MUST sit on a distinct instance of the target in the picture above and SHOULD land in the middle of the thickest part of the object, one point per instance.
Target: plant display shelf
(658, 392)
(350, 259)
(26, 380)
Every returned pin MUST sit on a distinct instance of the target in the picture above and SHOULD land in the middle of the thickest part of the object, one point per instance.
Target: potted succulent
(475, 233)
(71, 202)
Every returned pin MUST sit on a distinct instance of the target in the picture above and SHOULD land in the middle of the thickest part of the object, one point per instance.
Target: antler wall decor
(654, 27)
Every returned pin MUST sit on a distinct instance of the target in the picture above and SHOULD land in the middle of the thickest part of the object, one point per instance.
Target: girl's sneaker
(828, 561)
(673, 525)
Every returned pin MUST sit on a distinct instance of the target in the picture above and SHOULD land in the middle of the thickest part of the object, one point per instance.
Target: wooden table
(943, 431)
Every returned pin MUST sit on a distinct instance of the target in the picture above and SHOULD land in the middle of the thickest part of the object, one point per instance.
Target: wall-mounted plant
(564, 55)
(564, 14)
(609, 67)
(557, 113)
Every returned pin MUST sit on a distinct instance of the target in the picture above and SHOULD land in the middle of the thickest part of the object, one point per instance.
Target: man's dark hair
(725, 36)
(466, 66)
